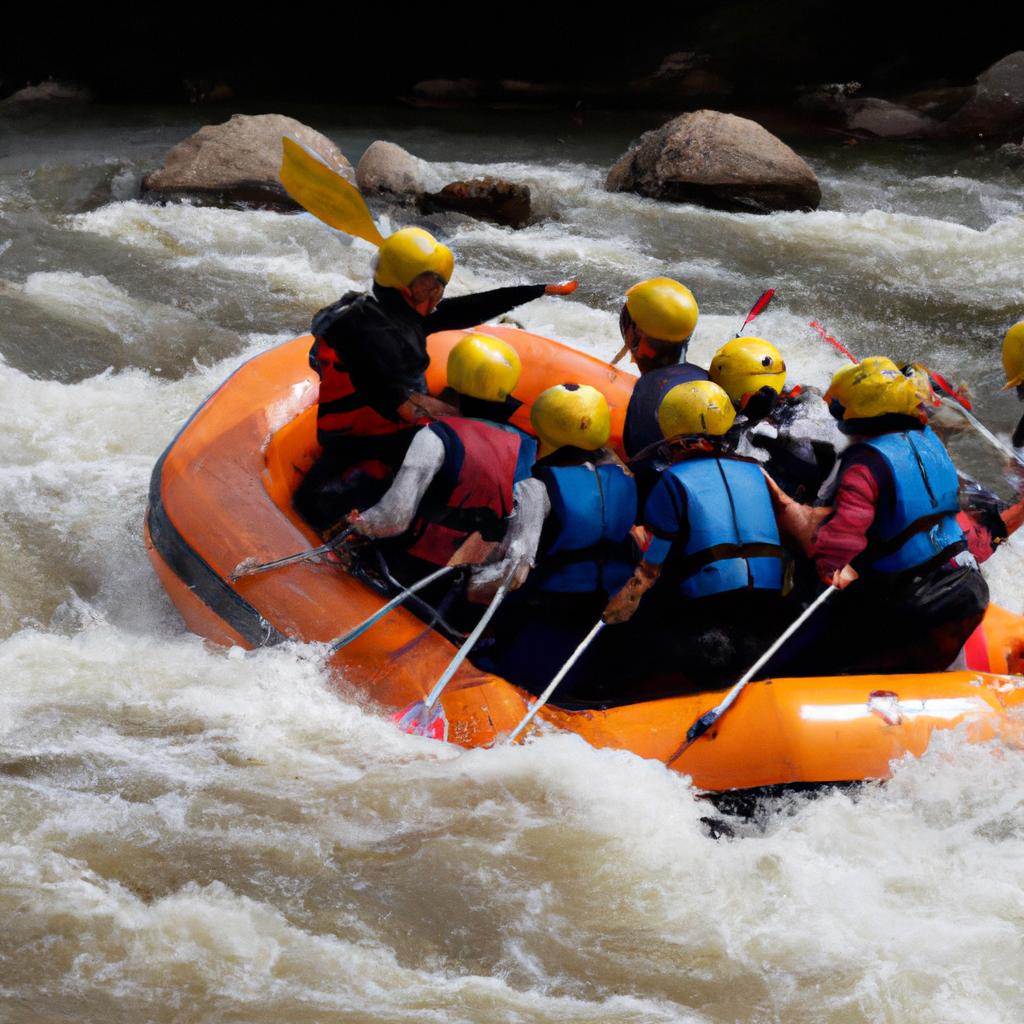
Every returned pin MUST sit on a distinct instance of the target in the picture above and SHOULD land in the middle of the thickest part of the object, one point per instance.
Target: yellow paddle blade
(325, 193)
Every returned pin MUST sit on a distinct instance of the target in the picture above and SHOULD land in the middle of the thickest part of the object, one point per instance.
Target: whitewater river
(190, 834)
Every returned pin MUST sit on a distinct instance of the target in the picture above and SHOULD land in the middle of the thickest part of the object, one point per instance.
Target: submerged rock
(387, 169)
(238, 162)
(717, 160)
(493, 199)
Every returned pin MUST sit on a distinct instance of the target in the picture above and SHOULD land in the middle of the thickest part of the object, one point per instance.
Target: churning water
(191, 834)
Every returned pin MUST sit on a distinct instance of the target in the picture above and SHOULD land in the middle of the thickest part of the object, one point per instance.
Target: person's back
(656, 322)
(715, 564)
(586, 552)
(892, 542)
(463, 475)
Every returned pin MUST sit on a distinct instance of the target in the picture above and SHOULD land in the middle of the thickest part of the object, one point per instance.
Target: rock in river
(717, 160)
(387, 169)
(238, 162)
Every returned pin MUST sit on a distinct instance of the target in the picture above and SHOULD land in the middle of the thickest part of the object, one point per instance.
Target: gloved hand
(798, 521)
(562, 288)
(622, 606)
(350, 540)
(842, 578)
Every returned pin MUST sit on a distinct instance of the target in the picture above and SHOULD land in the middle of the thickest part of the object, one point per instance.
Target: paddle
(417, 719)
(980, 427)
(325, 193)
(757, 308)
(357, 631)
(550, 689)
(471, 552)
(250, 567)
(832, 341)
(708, 719)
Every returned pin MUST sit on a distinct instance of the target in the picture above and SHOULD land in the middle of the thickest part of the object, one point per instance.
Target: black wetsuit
(381, 342)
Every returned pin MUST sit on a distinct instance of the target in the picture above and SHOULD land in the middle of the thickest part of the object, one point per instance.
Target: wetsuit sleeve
(394, 512)
(843, 536)
(470, 310)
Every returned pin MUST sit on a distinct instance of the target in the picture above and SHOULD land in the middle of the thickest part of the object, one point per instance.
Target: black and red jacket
(370, 351)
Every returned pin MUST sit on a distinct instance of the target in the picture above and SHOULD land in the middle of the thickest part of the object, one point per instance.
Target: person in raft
(464, 474)
(656, 322)
(1013, 364)
(789, 432)
(892, 543)
(715, 564)
(370, 352)
(986, 519)
(586, 552)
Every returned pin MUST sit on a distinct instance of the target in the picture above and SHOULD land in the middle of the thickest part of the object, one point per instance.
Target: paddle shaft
(982, 429)
(469, 643)
(357, 631)
(551, 687)
(708, 719)
(299, 556)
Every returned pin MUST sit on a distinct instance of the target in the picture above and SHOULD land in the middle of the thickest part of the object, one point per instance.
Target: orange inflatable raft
(222, 493)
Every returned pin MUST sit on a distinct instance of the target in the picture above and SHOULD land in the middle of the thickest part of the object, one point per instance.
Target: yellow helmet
(571, 414)
(697, 407)
(663, 309)
(1013, 356)
(406, 254)
(918, 374)
(743, 366)
(873, 387)
(483, 366)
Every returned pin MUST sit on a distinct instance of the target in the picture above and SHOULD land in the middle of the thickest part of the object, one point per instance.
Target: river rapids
(194, 834)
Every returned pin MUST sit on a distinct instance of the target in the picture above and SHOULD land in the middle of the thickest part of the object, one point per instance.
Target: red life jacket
(473, 491)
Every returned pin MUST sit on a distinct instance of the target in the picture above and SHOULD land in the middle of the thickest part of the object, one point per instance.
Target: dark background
(763, 51)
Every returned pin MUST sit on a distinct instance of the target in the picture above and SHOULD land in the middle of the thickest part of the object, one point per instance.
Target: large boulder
(388, 170)
(238, 162)
(717, 160)
(997, 106)
(494, 199)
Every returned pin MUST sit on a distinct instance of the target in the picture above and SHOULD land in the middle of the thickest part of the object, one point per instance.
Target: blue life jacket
(915, 523)
(723, 508)
(586, 543)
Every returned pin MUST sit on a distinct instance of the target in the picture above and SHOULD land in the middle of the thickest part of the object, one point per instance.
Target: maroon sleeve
(979, 538)
(843, 536)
